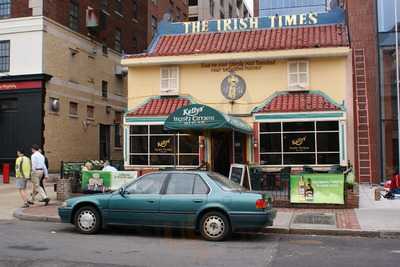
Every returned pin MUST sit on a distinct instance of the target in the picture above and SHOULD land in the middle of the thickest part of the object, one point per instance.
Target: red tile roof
(160, 107)
(298, 102)
(244, 41)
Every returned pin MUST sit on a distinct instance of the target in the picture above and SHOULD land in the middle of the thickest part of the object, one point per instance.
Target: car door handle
(198, 201)
(150, 201)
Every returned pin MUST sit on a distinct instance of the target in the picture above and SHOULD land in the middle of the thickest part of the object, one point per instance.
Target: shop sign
(164, 146)
(321, 188)
(335, 16)
(20, 85)
(194, 115)
(102, 181)
(233, 87)
(237, 66)
(299, 142)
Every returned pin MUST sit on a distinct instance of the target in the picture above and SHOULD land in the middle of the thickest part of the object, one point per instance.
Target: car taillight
(261, 204)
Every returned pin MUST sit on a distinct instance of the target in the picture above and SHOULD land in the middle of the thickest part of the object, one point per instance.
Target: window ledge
(74, 116)
(90, 119)
(118, 148)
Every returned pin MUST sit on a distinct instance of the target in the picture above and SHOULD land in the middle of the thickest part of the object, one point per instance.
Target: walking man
(22, 174)
(38, 169)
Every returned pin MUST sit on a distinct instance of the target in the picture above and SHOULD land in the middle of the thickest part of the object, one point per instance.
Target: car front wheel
(87, 220)
(214, 226)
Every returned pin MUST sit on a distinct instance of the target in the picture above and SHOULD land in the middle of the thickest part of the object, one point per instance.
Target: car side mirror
(122, 191)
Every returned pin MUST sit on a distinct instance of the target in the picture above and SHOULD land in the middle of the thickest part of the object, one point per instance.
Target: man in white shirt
(38, 169)
(108, 168)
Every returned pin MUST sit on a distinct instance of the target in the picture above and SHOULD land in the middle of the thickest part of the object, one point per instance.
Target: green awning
(198, 117)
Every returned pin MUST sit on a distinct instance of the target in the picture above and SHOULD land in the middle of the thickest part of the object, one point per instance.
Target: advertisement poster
(321, 188)
(100, 181)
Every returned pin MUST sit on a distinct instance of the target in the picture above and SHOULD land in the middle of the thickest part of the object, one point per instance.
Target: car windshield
(225, 183)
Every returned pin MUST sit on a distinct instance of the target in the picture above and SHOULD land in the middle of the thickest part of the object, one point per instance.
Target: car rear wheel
(87, 220)
(214, 226)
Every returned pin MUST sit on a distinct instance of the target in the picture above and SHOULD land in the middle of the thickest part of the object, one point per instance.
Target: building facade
(65, 89)
(268, 102)
(288, 7)
(218, 9)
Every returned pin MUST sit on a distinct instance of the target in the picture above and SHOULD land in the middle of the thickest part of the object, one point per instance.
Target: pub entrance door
(104, 142)
(221, 152)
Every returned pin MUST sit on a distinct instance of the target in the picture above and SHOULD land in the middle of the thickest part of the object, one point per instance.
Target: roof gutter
(241, 56)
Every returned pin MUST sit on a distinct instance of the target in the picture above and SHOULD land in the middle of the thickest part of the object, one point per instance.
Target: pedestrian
(108, 168)
(46, 162)
(38, 169)
(22, 174)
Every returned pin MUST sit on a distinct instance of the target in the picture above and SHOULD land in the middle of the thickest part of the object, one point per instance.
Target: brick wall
(363, 35)
(20, 8)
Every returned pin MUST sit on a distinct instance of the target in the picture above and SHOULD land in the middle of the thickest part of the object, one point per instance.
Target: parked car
(205, 201)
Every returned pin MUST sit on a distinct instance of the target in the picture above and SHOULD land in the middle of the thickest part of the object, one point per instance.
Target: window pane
(180, 183)
(162, 160)
(298, 126)
(302, 67)
(189, 160)
(298, 142)
(325, 158)
(299, 159)
(270, 143)
(172, 84)
(188, 144)
(328, 142)
(293, 67)
(162, 144)
(293, 79)
(138, 129)
(271, 159)
(200, 186)
(138, 144)
(164, 73)
(302, 78)
(138, 160)
(158, 129)
(327, 126)
(149, 184)
(270, 127)
(165, 84)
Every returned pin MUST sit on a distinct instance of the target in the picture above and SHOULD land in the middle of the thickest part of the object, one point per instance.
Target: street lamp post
(397, 79)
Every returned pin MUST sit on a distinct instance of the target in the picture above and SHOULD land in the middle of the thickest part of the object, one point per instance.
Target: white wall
(26, 44)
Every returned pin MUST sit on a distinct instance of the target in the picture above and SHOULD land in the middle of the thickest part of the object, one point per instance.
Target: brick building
(213, 9)
(65, 89)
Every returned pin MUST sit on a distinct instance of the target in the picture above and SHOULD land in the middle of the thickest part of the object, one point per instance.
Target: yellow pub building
(274, 91)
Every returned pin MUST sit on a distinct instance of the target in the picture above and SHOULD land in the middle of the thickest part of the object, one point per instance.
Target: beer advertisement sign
(321, 188)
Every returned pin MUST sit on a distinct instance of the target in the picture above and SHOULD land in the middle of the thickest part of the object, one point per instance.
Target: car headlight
(64, 204)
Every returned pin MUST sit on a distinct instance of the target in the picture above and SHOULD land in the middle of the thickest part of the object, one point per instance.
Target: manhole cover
(315, 218)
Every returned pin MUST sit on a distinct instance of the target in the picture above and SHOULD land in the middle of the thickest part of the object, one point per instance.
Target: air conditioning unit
(120, 71)
(91, 18)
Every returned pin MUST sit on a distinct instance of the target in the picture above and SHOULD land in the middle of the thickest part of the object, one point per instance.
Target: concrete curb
(19, 214)
(333, 232)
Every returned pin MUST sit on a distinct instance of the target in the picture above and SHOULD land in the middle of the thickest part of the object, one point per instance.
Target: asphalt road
(52, 244)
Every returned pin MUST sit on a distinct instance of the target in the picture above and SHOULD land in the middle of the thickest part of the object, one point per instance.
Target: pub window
(151, 145)
(298, 74)
(90, 112)
(73, 108)
(117, 40)
(5, 9)
(169, 80)
(74, 15)
(300, 143)
(4, 56)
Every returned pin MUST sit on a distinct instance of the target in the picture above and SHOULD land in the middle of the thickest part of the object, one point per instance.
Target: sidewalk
(372, 219)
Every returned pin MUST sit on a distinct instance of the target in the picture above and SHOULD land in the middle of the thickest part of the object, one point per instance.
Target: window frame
(166, 176)
(148, 154)
(315, 133)
(5, 6)
(87, 112)
(170, 90)
(5, 46)
(73, 18)
(69, 109)
(104, 89)
(298, 73)
(117, 40)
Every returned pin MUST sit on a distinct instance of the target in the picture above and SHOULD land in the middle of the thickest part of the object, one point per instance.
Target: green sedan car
(204, 201)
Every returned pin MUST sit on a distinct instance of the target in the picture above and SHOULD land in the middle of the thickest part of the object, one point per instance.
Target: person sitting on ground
(22, 174)
(108, 168)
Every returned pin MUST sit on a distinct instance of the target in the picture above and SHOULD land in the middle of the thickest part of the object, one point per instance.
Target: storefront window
(151, 145)
(300, 143)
